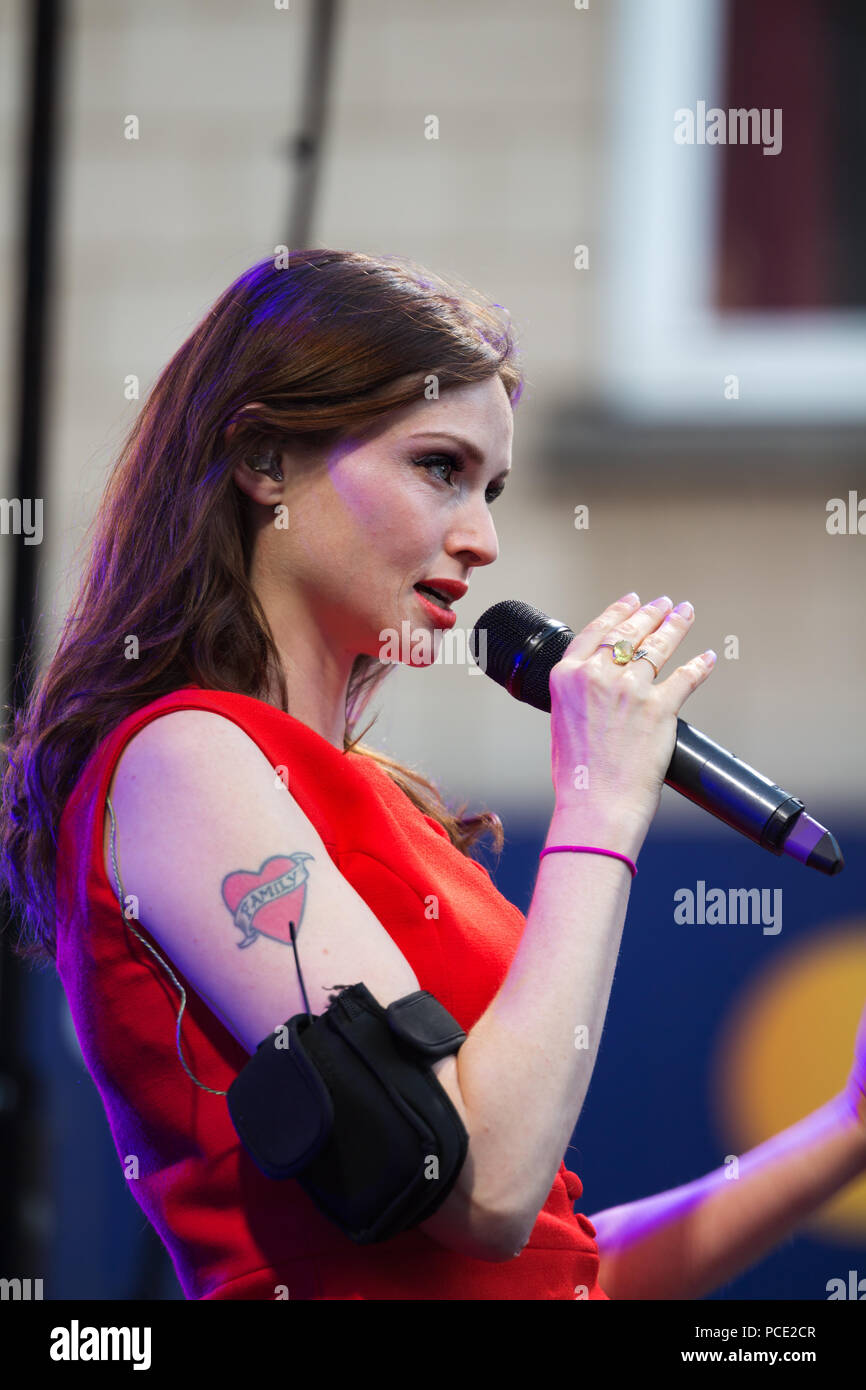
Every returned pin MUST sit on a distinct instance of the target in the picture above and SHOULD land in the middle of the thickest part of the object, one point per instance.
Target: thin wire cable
(293, 935)
(121, 899)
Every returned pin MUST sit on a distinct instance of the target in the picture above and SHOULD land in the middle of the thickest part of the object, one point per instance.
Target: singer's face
(399, 504)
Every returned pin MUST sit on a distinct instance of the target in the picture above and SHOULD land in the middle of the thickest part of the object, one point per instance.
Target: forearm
(689, 1241)
(526, 1065)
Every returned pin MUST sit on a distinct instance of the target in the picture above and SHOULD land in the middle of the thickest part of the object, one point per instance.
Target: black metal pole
(306, 147)
(20, 1246)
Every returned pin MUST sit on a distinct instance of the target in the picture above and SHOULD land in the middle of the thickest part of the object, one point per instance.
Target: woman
(330, 438)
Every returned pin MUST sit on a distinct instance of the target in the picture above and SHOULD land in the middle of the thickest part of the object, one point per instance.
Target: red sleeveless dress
(232, 1232)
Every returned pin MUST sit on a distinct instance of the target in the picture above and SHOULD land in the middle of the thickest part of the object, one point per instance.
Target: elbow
(515, 1237)
(507, 1234)
(504, 1240)
(470, 1228)
(508, 1227)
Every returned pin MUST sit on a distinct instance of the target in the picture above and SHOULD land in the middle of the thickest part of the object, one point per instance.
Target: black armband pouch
(347, 1103)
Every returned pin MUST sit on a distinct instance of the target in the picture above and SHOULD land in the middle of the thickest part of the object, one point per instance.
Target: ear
(261, 487)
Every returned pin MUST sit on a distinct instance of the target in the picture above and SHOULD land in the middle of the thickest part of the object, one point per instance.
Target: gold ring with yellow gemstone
(624, 652)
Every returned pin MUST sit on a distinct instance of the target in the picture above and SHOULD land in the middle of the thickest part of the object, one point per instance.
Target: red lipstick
(447, 588)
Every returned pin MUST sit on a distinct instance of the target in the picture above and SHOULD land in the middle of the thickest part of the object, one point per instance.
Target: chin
(410, 644)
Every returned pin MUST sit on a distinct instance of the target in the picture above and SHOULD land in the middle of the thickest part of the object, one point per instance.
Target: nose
(472, 537)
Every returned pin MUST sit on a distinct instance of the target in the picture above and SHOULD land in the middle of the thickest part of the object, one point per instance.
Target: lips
(437, 608)
(443, 590)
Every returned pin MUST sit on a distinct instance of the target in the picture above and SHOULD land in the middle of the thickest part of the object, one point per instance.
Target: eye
(450, 461)
(453, 464)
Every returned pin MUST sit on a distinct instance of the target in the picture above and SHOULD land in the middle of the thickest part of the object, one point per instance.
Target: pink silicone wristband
(590, 849)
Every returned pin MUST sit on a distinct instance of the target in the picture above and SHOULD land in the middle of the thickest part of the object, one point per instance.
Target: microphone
(521, 645)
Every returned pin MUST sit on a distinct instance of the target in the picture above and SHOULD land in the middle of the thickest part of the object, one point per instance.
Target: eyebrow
(476, 454)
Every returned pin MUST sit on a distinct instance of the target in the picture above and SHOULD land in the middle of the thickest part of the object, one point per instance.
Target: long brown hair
(319, 342)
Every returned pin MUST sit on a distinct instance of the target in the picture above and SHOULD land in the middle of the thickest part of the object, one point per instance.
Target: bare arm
(525, 1067)
(689, 1241)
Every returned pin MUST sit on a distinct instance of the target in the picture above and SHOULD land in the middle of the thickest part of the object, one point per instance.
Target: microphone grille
(523, 645)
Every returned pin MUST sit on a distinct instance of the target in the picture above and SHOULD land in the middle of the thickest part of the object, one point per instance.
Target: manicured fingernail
(660, 602)
(629, 598)
(685, 608)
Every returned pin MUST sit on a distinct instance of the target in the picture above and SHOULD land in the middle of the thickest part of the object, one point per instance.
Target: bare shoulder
(184, 754)
(195, 737)
(220, 863)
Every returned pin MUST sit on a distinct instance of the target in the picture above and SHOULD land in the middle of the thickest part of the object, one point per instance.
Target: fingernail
(660, 602)
(629, 598)
(685, 609)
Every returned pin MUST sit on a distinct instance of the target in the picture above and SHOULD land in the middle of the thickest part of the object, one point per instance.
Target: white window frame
(664, 352)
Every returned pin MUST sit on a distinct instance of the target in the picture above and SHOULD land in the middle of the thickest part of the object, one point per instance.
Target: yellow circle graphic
(787, 1047)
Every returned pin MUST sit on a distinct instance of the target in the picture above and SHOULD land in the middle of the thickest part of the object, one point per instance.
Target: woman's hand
(613, 728)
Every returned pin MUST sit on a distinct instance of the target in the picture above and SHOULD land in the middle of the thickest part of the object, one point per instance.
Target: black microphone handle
(719, 782)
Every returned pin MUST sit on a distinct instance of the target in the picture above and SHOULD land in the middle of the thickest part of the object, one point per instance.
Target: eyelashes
(452, 462)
